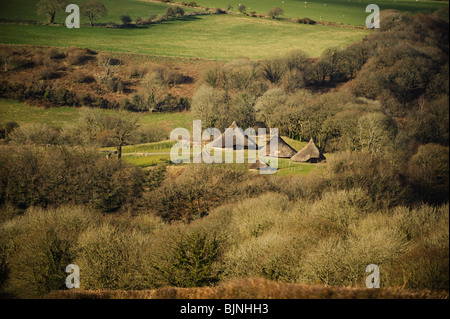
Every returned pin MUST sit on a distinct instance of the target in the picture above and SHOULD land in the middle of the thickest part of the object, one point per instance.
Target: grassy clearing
(22, 113)
(340, 11)
(149, 154)
(58, 116)
(206, 37)
(146, 161)
(286, 167)
(155, 153)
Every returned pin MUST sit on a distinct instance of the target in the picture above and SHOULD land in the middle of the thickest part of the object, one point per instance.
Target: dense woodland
(379, 106)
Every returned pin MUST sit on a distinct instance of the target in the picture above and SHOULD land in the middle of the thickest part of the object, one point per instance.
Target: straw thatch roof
(240, 139)
(258, 165)
(284, 149)
(310, 153)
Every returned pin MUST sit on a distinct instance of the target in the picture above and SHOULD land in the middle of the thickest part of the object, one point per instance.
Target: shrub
(167, 75)
(293, 80)
(7, 129)
(341, 260)
(56, 176)
(262, 240)
(215, 77)
(219, 11)
(383, 182)
(342, 207)
(137, 71)
(429, 171)
(254, 217)
(420, 221)
(189, 4)
(55, 54)
(173, 11)
(113, 258)
(425, 265)
(173, 104)
(77, 56)
(126, 19)
(80, 77)
(306, 21)
(240, 74)
(47, 72)
(192, 261)
(199, 189)
(39, 245)
(273, 70)
(34, 134)
(268, 256)
(276, 12)
(210, 106)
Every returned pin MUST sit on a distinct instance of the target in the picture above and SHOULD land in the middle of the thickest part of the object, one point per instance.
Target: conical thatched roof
(240, 139)
(284, 149)
(258, 165)
(310, 153)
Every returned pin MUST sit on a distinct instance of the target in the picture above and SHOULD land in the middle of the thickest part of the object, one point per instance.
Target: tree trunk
(52, 17)
(119, 151)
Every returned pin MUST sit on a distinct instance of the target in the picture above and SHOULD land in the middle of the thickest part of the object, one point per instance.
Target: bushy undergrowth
(201, 225)
(36, 176)
(268, 236)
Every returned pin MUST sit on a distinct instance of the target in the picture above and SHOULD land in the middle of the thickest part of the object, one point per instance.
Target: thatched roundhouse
(284, 149)
(310, 153)
(240, 139)
(258, 165)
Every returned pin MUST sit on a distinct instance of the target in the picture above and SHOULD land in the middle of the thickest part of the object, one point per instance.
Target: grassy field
(22, 113)
(145, 155)
(58, 116)
(25, 10)
(286, 167)
(340, 11)
(207, 37)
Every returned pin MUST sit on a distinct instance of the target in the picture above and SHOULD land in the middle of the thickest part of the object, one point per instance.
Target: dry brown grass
(76, 61)
(252, 289)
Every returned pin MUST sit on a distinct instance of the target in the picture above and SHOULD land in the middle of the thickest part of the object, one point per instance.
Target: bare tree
(50, 8)
(276, 12)
(273, 70)
(6, 57)
(118, 127)
(122, 127)
(93, 9)
(242, 8)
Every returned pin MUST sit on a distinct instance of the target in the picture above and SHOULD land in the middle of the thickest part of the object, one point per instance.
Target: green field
(207, 37)
(58, 116)
(26, 10)
(340, 11)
